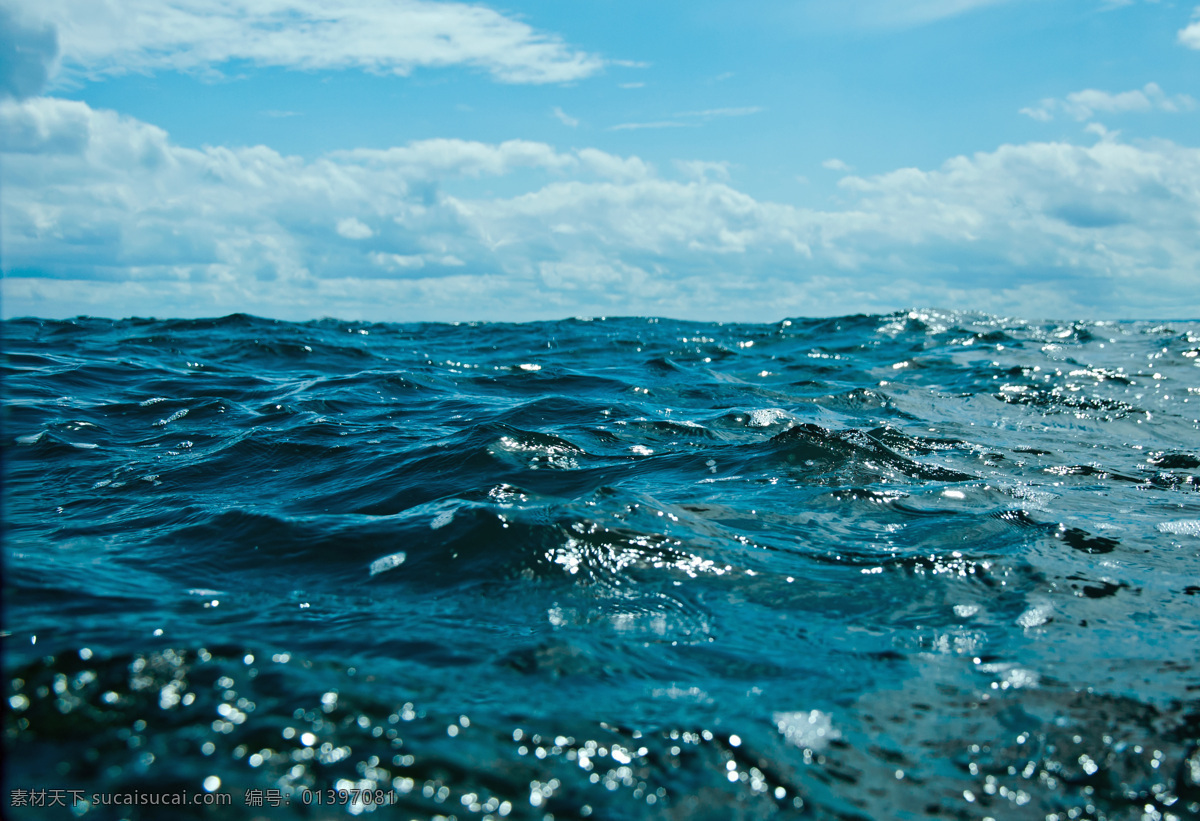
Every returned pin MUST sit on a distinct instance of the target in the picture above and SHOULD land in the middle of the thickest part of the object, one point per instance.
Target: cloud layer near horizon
(104, 214)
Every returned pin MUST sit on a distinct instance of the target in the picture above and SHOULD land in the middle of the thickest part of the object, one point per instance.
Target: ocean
(918, 565)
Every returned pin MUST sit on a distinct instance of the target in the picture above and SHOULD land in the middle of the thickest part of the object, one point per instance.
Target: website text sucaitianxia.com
(78, 798)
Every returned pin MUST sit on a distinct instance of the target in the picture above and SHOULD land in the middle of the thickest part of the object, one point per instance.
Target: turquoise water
(917, 565)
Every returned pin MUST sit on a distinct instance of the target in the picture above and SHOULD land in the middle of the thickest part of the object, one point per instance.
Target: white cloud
(386, 36)
(393, 262)
(700, 170)
(661, 218)
(564, 118)
(1100, 131)
(354, 228)
(103, 214)
(436, 158)
(1082, 105)
(1190, 34)
(28, 53)
(611, 167)
(834, 164)
(1044, 112)
(1113, 227)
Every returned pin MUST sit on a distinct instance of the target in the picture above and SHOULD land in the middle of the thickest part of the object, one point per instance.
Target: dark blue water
(903, 566)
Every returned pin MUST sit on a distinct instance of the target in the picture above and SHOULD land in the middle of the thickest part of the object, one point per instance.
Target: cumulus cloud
(28, 53)
(1082, 105)
(387, 36)
(834, 164)
(1190, 35)
(664, 219)
(612, 167)
(441, 157)
(93, 196)
(1117, 211)
(104, 214)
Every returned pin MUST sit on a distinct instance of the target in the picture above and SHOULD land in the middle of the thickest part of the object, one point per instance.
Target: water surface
(915, 565)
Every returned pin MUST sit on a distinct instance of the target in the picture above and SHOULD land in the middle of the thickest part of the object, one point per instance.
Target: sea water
(917, 565)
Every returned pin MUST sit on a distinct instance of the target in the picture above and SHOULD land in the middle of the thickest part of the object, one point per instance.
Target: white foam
(1035, 616)
(765, 417)
(1183, 527)
(386, 563)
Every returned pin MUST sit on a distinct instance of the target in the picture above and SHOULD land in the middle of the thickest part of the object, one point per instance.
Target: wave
(611, 568)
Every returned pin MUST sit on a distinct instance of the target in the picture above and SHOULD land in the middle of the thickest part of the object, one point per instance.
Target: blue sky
(411, 159)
